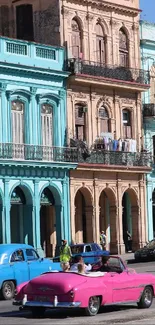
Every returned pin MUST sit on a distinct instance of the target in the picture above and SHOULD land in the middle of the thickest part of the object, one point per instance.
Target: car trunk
(51, 284)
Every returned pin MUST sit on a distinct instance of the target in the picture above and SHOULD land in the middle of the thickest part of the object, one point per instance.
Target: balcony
(149, 110)
(116, 158)
(24, 152)
(31, 54)
(108, 72)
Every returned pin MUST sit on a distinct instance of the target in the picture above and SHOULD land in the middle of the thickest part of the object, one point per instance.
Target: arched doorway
(107, 218)
(47, 222)
(21, 216)
(130, 217)
(83, 216)
(153, 212)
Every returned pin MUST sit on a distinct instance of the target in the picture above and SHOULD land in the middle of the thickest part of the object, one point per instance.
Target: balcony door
(76, 40)
(100, 44)
(24, 22)
(17, 115)
(80, 122)
(123, 49)
(47, 130)
(127, 128)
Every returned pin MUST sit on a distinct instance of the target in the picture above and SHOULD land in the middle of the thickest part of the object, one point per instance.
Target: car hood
(55, 283)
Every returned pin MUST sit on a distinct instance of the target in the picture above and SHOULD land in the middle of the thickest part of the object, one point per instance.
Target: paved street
(125, 315)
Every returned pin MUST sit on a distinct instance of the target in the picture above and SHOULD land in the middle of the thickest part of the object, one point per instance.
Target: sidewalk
(127, 256)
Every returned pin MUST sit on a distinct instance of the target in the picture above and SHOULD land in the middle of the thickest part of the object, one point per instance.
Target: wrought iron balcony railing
(38, 153)
(73, 155)
(148, 110)
(117, 158)
(78, 66)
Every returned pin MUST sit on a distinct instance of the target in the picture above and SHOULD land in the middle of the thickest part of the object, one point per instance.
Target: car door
(19, 266)
(36, 264)
(124, 285)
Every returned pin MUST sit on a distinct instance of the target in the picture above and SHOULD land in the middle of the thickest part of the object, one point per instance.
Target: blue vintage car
(20, 263)
(90, 252)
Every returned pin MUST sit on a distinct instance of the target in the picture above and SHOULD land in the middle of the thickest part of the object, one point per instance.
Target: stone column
(89, 223)
(66, 211)
(7, 211)
(113, 232)
(142, 213)
(72, 211)
(135, 212)
(121, 246)
(96, 230)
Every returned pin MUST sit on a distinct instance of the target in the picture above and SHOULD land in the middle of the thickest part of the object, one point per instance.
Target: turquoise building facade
(34, 162)
(147, 41)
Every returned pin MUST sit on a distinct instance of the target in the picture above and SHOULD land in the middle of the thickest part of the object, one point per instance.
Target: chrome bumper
(52, 305)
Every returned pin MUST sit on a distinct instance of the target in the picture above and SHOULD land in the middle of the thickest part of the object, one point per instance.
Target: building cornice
(106, 6)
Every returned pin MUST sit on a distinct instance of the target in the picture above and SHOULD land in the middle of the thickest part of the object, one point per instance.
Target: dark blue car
(91, 252)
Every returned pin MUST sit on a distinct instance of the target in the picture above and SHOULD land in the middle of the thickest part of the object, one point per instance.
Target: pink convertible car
(87, 291)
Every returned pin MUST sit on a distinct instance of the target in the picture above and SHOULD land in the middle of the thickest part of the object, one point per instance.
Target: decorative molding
(89, 17)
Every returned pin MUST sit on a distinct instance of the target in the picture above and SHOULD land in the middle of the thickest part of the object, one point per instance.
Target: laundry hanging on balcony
(125, 145)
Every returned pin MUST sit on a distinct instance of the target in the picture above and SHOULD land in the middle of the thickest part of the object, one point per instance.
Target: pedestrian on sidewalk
(65, 252)
(103, 240)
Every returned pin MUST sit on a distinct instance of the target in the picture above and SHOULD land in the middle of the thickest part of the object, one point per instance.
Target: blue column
(3, 226)
(4, 114)
(34, 116)
(66, 217)
(149, 210)
(36, 218)
(7, 211)
(62, 106)
(38, 115)
(8, 112)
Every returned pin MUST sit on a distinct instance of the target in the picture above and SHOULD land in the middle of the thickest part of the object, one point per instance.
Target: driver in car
(105, 267)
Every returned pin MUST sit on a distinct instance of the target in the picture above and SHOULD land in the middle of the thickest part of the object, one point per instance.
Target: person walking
(65, 252)
(103, 240)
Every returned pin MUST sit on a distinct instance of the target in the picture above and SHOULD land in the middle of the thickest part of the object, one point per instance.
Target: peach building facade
(104, 113)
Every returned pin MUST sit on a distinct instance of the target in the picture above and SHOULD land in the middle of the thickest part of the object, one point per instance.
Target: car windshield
(3, 258)
(77, 249)
(151, 244)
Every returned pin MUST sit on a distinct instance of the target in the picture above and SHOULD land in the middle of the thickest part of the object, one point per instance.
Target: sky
(148, 7)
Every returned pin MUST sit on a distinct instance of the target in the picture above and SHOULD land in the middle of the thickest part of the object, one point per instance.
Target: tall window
(47, 125)
(123, 49)
(76, 39)
(127, 129)
(80, 122)
(24, 22)
(104, 120)
(17, 112)
(100, 44)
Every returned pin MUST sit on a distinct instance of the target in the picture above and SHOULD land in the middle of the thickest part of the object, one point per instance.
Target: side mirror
(41, 259)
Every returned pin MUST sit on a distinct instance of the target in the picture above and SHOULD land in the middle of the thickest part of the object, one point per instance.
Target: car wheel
(8, 290)
(146, 298)
(93, 306)
(37, 312)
